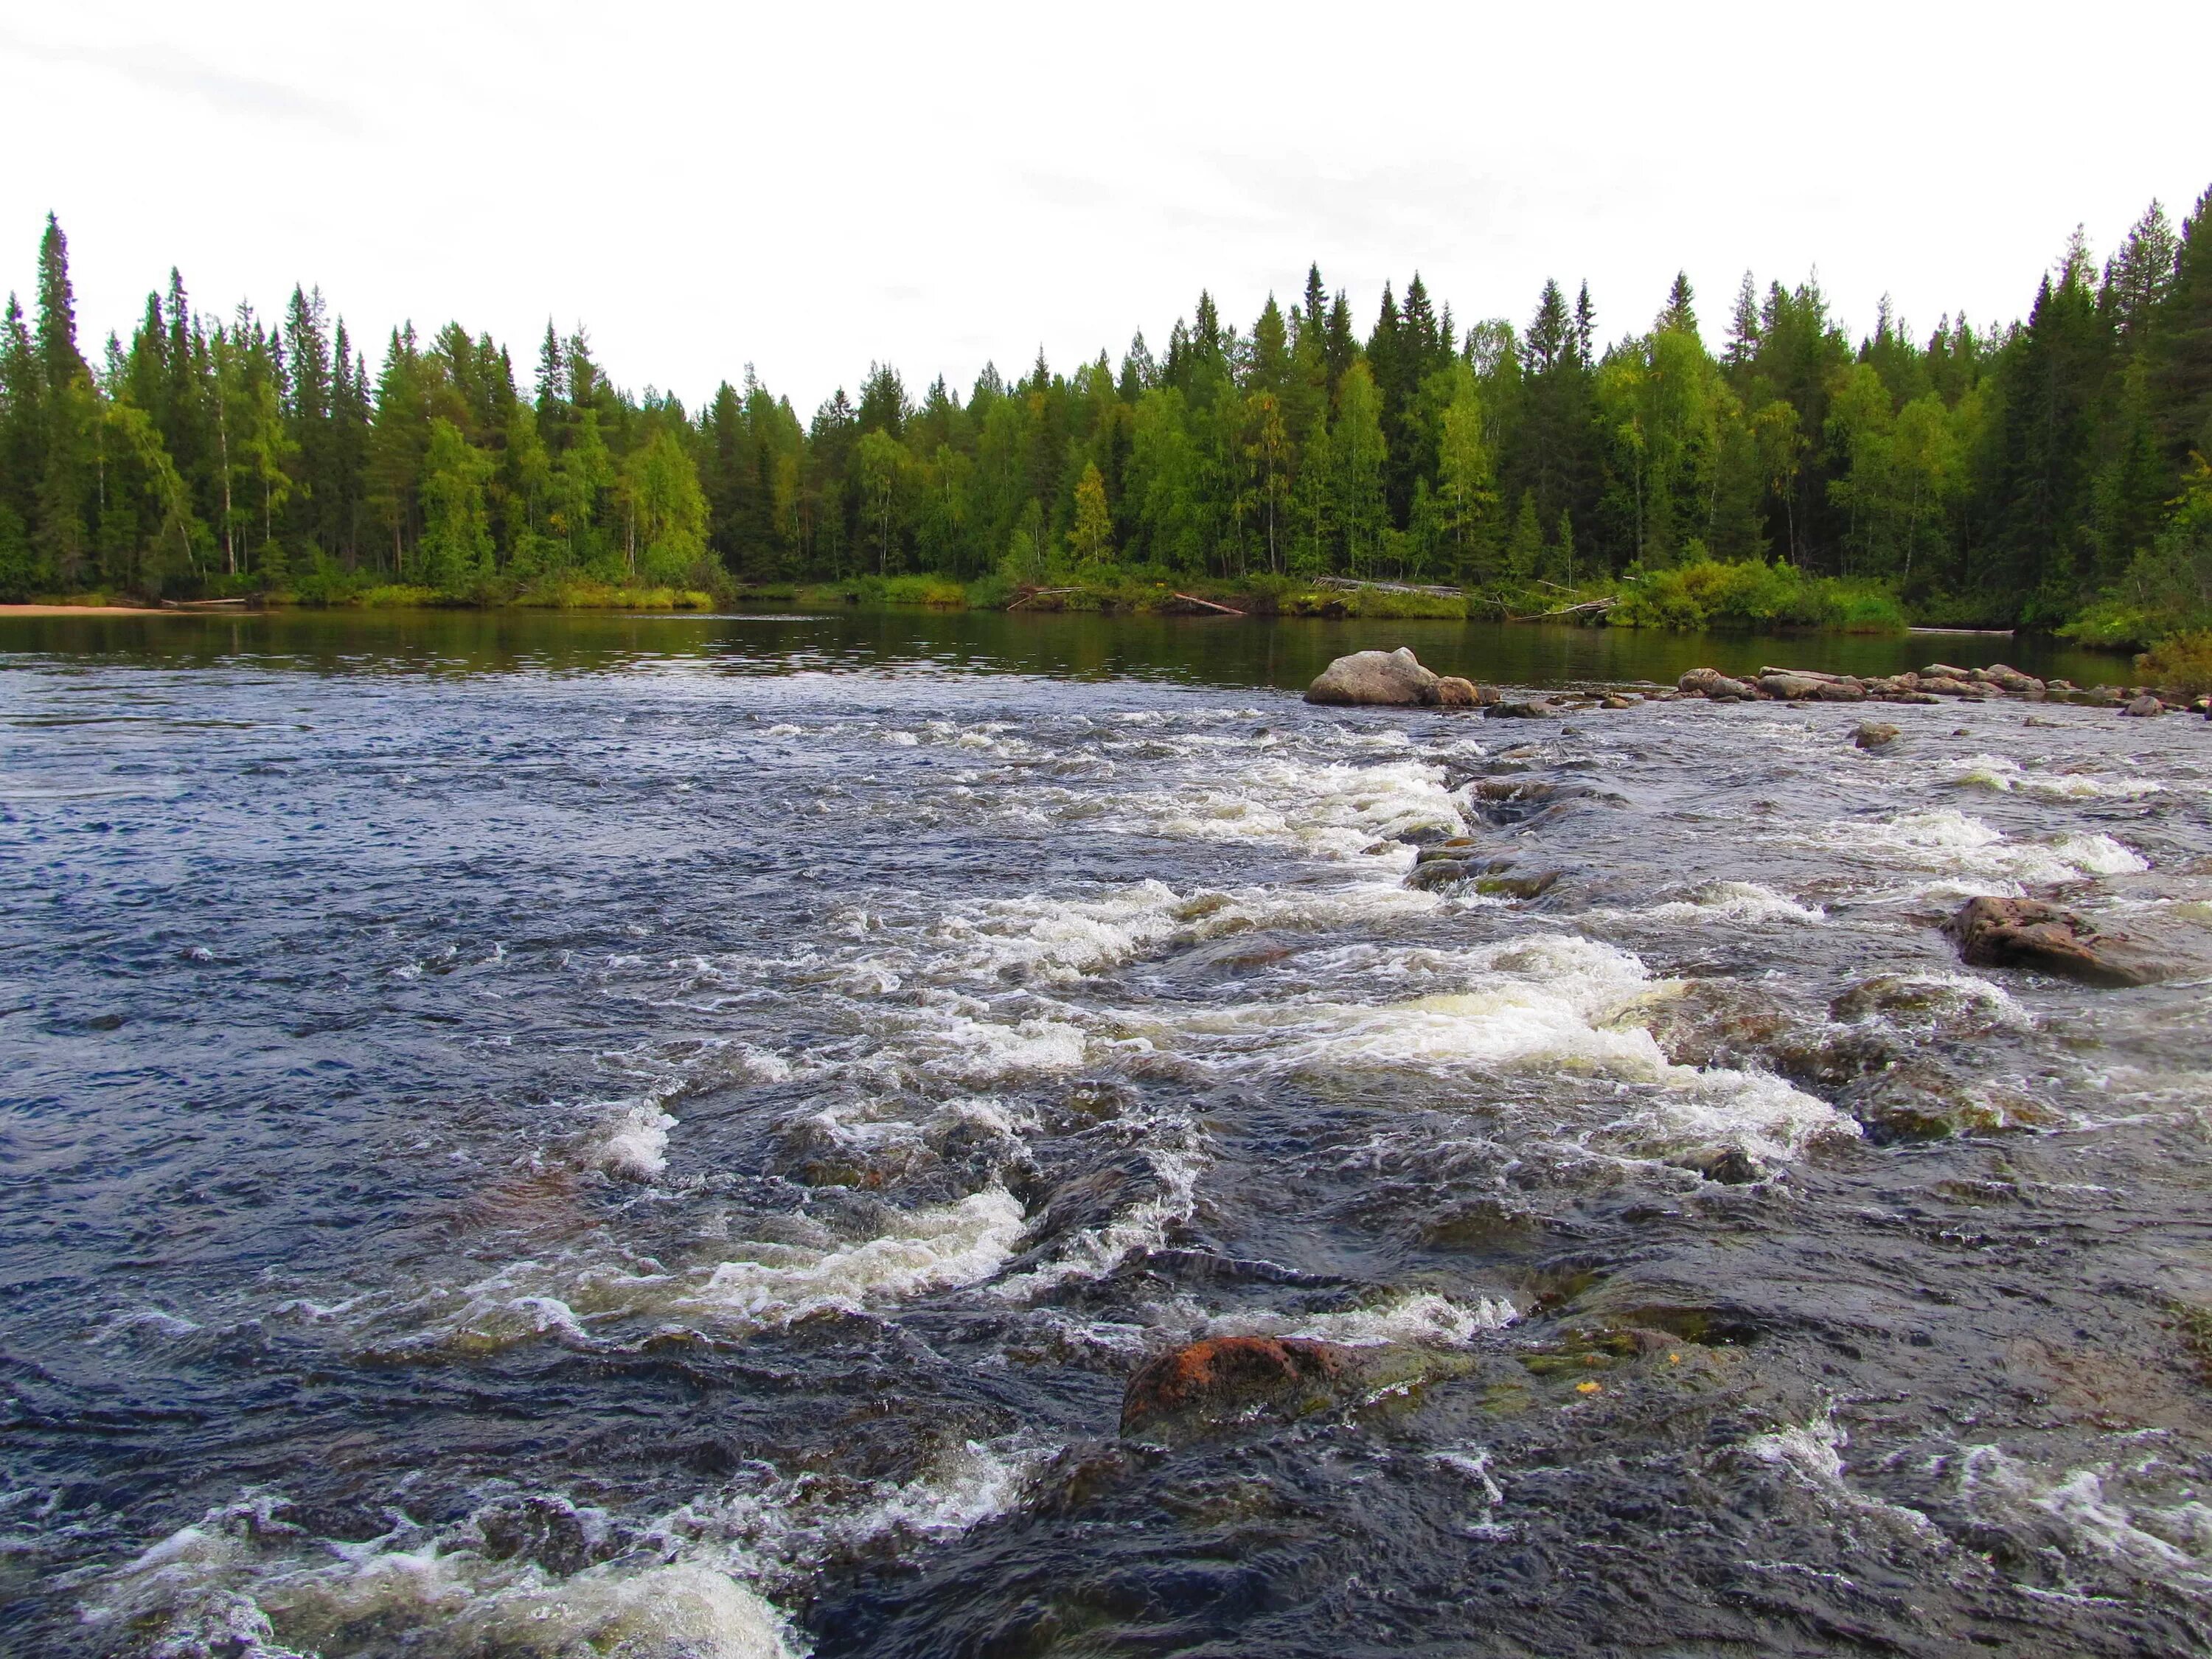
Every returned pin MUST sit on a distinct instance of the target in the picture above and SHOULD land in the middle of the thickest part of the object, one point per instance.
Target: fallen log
(1225, 610)
(1592, 607)
(1040, 593)
(1388, 587)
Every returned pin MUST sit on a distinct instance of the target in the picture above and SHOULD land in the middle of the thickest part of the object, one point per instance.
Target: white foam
(2005, 776)
(755, 1286)
(1423, 1317)
(245, 1583)
(1333, 809)
(1065, 940)
(977, 1482)
(1748, 901)
(928, 1250)
(1813, 1450)
(635, 1139)
(2081, 1512)
(1547, 1005)
(1948, 844)
(1095, 1251)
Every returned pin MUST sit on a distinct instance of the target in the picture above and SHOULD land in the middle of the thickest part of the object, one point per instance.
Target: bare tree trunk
(229, 532)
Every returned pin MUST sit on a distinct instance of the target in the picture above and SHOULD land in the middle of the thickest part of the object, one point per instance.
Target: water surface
(542, 1135)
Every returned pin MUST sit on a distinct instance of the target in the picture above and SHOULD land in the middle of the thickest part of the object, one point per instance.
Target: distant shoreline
(92, 610)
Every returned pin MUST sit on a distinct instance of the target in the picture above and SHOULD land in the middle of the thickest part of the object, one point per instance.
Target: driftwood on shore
(1586, 608)
(1040, 593)
(1431, 588)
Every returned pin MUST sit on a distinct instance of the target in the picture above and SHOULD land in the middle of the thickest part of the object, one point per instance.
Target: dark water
(550, 1136)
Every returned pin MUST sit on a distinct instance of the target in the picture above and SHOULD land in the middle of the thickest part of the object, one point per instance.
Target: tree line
(2021, 472)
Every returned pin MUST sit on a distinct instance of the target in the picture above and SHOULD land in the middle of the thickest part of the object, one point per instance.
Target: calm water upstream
(555, 1136)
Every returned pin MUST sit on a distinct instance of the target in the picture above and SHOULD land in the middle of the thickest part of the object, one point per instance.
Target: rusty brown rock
(2008, 932)
(1223, 1378)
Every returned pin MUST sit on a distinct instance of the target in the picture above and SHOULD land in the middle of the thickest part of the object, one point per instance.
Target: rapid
(677, 1150)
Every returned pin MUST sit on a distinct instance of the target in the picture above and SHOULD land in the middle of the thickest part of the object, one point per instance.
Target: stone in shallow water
(1381, 678)
(1873, 734)
(1222, 1382)
(1453, 692)
(2009, 932)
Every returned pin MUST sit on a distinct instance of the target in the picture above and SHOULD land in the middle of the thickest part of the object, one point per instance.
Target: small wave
(2095, 1512)
(1425, 1317)
(635, 1140)
(2005, 776)
(232, 1582)
(1725, 900)
(756, 1285)
(1559, 1006)
(1095, 1251)
(1950, 845)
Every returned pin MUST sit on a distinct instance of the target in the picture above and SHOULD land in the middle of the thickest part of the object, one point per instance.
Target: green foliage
(2032, 474)
(1706, 594)
(2182, 663)
(2166, 588)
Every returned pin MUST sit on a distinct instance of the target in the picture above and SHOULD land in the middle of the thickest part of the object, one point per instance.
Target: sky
(811, 188)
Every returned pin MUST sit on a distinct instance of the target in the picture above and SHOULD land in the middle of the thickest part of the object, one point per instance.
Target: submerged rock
(1538, 709)
(1392, 679)
(2008, 932)
(1225, 1381)
(1873, 734)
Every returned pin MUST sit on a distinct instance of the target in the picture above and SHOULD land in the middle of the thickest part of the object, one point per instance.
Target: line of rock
(1930, 684)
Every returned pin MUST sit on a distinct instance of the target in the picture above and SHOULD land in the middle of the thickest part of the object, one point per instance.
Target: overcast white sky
(807, 187)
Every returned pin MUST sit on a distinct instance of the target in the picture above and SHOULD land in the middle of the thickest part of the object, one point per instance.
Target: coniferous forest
(2046, 472)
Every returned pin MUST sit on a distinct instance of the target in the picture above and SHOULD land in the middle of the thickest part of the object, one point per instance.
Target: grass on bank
(1754, 595)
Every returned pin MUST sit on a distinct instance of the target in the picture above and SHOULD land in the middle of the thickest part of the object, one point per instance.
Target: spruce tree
(2181, 378)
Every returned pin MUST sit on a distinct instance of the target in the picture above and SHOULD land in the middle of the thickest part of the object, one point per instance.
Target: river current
(575, 1140)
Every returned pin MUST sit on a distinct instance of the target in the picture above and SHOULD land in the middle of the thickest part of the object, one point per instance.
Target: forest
(2049, 473)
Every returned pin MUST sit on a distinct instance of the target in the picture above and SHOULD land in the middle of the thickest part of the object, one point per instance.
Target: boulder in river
(1538, 709)
(1793, 688)
(2144, 707)
(2009, 680)
(1711, 683)
(1216, 1381)
(1394, 679)
(1453, 692)
(2009, 932)
(1873, 734)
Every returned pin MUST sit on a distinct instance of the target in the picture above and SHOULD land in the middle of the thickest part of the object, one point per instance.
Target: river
(559, 1136)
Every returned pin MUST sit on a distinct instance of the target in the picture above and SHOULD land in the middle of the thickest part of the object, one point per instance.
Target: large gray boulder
(1390, 679)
